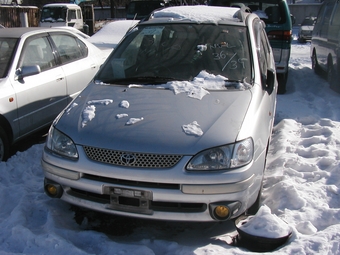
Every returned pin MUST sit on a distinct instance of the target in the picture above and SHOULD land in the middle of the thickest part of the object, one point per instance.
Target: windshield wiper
(143, 80)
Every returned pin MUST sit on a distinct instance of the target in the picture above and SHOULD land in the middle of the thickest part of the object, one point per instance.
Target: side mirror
(292, 17)
(25, 71)
(270, 81)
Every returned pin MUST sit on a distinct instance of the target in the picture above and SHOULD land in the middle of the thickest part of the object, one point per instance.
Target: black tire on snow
(4, 145)
(282, 82)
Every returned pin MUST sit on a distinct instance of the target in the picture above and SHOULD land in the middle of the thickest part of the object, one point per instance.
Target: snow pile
(193, 129)
(88, 114)
(124, 104)
(265, 224)
(90, 111)
(132, 121)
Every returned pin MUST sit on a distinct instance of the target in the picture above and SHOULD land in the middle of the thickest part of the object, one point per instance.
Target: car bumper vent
(154, 205)
(131, 159)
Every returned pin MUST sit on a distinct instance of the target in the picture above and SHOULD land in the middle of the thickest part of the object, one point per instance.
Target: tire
(4, 145)
(315, 64)
(332, 77)
(282, 82)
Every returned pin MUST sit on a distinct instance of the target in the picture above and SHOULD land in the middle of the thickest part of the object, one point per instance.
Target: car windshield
(307, 22)
(168, 52)
(53, 14)
(7, 46)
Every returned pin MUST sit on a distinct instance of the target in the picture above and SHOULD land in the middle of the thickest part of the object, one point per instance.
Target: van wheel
(331, 76)
(4, 145)
(315, 64)
(282, 82)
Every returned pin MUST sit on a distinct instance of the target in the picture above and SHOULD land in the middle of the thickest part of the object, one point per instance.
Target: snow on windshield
(199, 86)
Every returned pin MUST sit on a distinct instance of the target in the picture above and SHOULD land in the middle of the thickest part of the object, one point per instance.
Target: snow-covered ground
(301, 186)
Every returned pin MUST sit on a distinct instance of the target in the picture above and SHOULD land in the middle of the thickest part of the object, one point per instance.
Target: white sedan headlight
(61, 144)
(224, 157)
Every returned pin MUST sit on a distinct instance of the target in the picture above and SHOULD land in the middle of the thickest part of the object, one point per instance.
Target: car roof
(199, 14)
(18, 32)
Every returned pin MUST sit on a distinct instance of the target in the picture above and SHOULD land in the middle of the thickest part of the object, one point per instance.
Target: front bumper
(155, 197)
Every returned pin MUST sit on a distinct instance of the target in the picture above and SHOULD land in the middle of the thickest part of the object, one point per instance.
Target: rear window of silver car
(180, 52)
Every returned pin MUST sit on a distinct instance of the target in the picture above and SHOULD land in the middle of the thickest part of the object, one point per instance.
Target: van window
(71, 15)
(269, 11)
(78, 14)
(53, 14)
(336, 16)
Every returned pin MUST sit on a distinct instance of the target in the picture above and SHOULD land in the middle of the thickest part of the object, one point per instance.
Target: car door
(40, 97)
(77, 64)
(323, 43)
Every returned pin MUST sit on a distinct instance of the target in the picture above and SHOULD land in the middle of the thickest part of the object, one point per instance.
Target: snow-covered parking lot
(301, 186)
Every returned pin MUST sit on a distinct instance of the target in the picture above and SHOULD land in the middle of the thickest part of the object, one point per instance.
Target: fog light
(221, 211)
(224, 210)
(53, 189)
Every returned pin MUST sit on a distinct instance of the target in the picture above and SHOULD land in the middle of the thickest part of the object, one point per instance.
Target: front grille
(131, 159)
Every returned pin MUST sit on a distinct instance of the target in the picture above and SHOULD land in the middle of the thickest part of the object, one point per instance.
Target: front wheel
(332, 77)
(315, 64)
(4, 145)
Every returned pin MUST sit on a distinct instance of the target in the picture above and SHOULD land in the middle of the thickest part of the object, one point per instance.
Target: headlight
(61, 144)
(223, 157)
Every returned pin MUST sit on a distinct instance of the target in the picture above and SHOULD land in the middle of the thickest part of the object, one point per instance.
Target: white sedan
(41, 71)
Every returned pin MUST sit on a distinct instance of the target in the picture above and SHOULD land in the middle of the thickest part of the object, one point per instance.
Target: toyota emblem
(127, 159)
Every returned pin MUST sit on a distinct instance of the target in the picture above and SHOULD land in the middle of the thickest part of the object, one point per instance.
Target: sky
(301, 189)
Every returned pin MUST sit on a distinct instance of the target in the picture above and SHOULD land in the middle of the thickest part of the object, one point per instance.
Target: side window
(71, 15)
(263, 50)
(37, 51)
(328, 13)
(78, 14)
(83, 48)
(336, 16)
(69, 48)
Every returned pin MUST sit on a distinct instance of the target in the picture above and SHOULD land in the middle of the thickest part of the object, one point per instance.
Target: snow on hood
(156, 118)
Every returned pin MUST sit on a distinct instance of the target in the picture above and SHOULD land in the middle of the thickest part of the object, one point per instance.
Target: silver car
(41, 71)
(176, 124)
(306, 29)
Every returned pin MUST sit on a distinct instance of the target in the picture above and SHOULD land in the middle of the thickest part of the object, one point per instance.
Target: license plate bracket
(130, 200)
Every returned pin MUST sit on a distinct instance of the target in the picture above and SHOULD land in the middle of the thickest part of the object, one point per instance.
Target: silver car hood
(162, 115)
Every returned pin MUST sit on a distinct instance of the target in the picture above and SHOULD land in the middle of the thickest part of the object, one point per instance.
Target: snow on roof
(111, 34)
(198, 13)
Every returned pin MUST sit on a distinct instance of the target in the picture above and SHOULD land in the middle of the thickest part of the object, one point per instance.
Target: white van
(325, 45)
(60, 14)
